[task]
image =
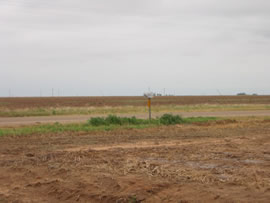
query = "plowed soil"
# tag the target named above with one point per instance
(222, 161)
(41, 102)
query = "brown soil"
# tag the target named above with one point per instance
(224, 162)
(40, 102)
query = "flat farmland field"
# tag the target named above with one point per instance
(53, 106)
(40, 102)
(200, 159)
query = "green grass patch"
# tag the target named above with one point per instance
(166, 119)
(108, 123)
(200, 119)
(60, 128)
(169, 119)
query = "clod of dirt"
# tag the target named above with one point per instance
(29, 155)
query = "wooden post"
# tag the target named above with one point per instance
(149, 96)
(149, 107)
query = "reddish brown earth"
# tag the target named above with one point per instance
(40, 102)
(222, 161)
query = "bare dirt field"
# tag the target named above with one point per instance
(224, 161)
(41, 102)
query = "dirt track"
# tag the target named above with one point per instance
(17, 121)
(224, 162)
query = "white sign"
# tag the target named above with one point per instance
(149, 95)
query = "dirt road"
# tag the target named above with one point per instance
(17, 121)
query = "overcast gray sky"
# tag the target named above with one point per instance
(125, 47)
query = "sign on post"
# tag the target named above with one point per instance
(149, 96)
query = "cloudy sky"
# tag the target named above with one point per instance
(125, 47)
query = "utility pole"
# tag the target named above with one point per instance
(219, 92)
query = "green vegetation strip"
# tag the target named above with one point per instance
(111, 122)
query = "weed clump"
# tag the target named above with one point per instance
(169, 119)
(97, 121)
(115, 120)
